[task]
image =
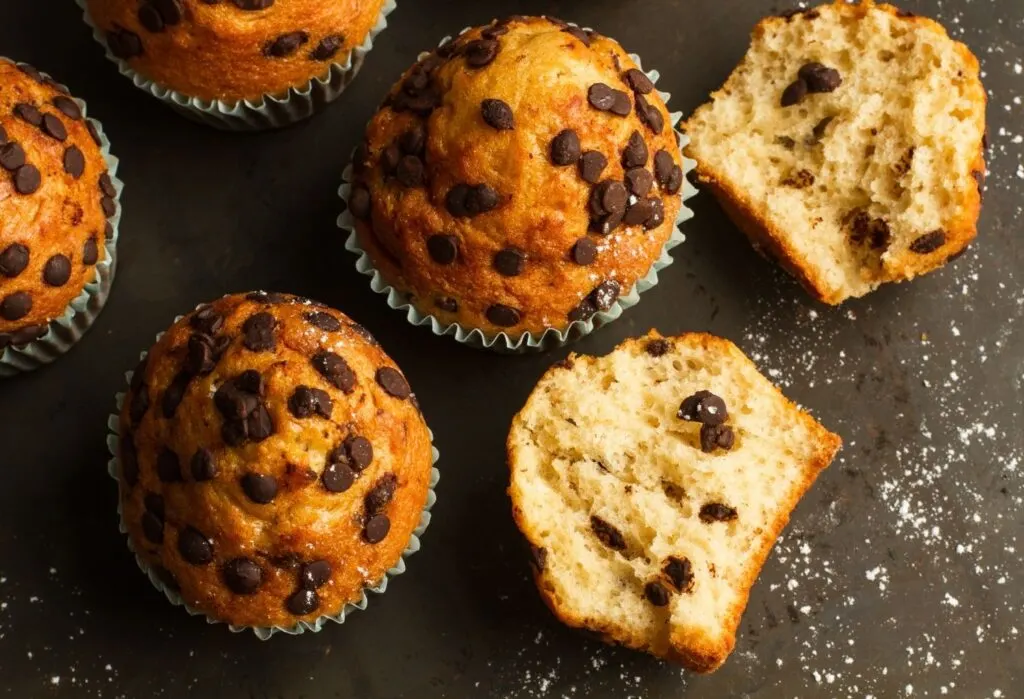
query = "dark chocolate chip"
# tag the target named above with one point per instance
(54, 127)
(664, 164)
(259, 424)
(336, 370)
(604, 99)
(12, 156)
(469, 200)
(607, 534)
(323, 320)
(605, 294)
(717, 512)
(378, 497)
(23, 336)
(414, 141)
(306, 402)
(393, 383)
(175, 393)
(199, 358)
(124, 44)
(410, 171)
(259, 488)
(27, 179)
(285, 45)
(621, 106)
(584, 252)
(258, 332)
(315, 574)
(929, 242)
(799, 179)
(578, 33)
(497, 114)
(108, 206)
(359, 202)
(150, 19)
(638, 81)
(864, 229)
(565, 147)
(716, 436)
(170, 10)
(328, 47)
(592, 164)
(3, 135)
(13, 260)
(153, 527)
(359, 451)
(509, 262)
(639, 212)
(656, 594)
(243, 576)
(447, 304)
(16, 306)
(608, 197)
(635, 153)
(657, 347)
(650, 115)
(31, 72)
(253, 5)
(639, 181)
(74, 161)
(203, 466)
(376, 529)
(679, 573)
(443, 249)
(337, 477)
(503, 316)
(704, 407)
(28, 113)
(108, 231)
(168, 468)
(94, 134)
(106, 185)
(794, 93)
(480, 52)
(819, 78)
(303, 602)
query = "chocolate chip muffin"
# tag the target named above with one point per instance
(273, 461)
(56, 201)
(519, 178)
(235, 50)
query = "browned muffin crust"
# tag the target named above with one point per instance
(518, 178)
(233, 49)
(55, 198)
(273, 460)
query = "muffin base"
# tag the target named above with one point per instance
(267, 112)
(78, 317)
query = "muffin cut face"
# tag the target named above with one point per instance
(233, 49)
(848, 144)
(651, 484)
(520, 177)
(55, 199)
(273, 460)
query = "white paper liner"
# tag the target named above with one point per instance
(552, 337)
(66, 330)
(264, 632)
(267, 112)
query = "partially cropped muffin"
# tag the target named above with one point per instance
(56, 199)
(518, 178)
(273, 461)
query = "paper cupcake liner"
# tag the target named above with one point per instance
(267, 112)
(65, 331)
(552, 337)
(264, 632)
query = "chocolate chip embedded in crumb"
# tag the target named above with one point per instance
(376, 529)
(28, 113)
(382, 492)
(794, 93)
(202, 466)
(124, 44)
(57, 270)
(509, 262)
(650, 115)
(658, 347)
(13, 260)
(480, 52)
(717, 512)
(322, 320)
(592, 164)
(635, 153)
(243, 576)
(27, 179)
(74, 161)
(359, 451)
(639, 212)
(174, 393)
(819, 130)
(315, 574)
(497, 114)
(139, 403)
(328, 47)
(303, 602)
(413, 141)
(285, 45)
(393, 383)
(336, 370)
(194, 546)
(465, 200)
(656, 594)
(259, 424)
(819, 78)
(679, 573)
(607, 534)
(12, 156)
(337, 477)
(53, 127)
(606, 99)
(865, 229)
(150, 18)
(503, 316)
(306, 402)
(258, 332)
(638, 181)
(716, 437)
(259, 488)
(168, 468)
(929, 242)
(565, 147)
(638, 81)
(605, 294)
(153, 527)
(359, 202)
(786, 142)
(799, 179)
(410, 171)
(443, 249)
(584, 252)
(704, 407)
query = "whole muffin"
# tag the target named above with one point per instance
(56, 197)
(519, 178)
(273, 461)
(233, 50)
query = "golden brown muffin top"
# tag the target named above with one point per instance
(55, 198)
(518, 178)
(233, 49)
(273, 460)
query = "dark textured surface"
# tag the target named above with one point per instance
(900, 573)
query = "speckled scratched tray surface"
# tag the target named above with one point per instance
(900, 573)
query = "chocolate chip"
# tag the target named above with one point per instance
(376, 529)
(639, 212)
(608, 197)
(393, 383)
(199, 354)
(704, 407)
(328, 47)
(584, 252)
(57, 270)
(650, 115)
(929, 242)
(12, 156)
(124, 44)
(497, 114)
(306, 402)
(592, 164)
(657, 347)
(389, 159)
(565, 147)
(638, 81)
(129, 461)
(54, 127)
(606, 99)
(31, 72)
(259, 424)
(323, 320)
(605, 294)
(28, 113)
(447, 304)
(866, 229)
(509, 262)
(94, 134)
(3, 136)
(413, 141)
(794, 93)
(578, 33)
(303, 602)
(253, 5)
(108, 206)
(13, 260)
(15, 306)
(714, 437)
(175, 393)
(258, 332)
(27, 179)
(480, 52)
(259, 488)
(717, 512)
(664, 167)
(336, 370)
(23, 336)
(202, 466)
(153, 527)
(359, 451)
(819, 78)
(799, 179)
(315, 574)
(139, 405)
(285, 45)
(106, 185)
(443, 249)
(170, 11)
(168, 468)
(337, 477)
(243, 576)
(465, 200)
(635, 153)
(656, 594)
(108, 231)
(639, 181)
(503, 316)
(359, 202)
(150, 19)
(607, 534)
(679, 573)
(410, 171)
(74, 161)
(378, 497)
